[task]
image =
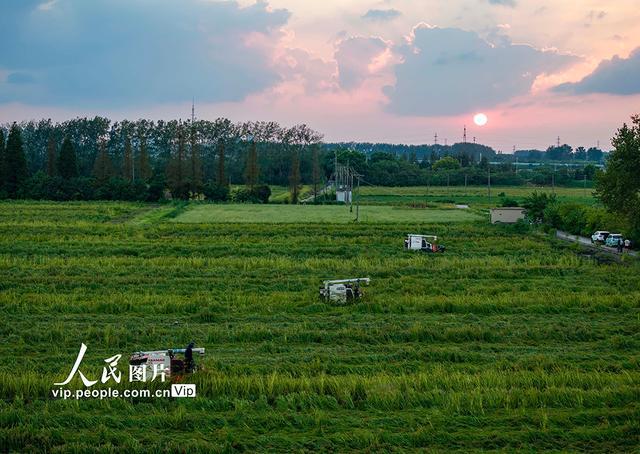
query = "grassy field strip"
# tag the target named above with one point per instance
(335, 214)
(474, 196)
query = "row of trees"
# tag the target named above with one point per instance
(95, 158)
(475, 151)
(146, 160)
(389, 169)
(562, 153)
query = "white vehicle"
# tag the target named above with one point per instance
(600, 236)
(341, 291)
(614, 239)
(424, 243)
(165, 360)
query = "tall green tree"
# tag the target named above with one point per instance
(2, 161)
(315, 171)
(618, 187)
(176, 170)
(128, 171)
(294, 176)
(15, 163)
(251, 171)
(51, 155)
(446, 163)
(195, 168)
(221, 177)
(67, 162)
(103, 167)
(144, 163)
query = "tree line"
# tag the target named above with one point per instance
(466, 164)
(96, 158)
(561, 154)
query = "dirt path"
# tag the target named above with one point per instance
(587, 242)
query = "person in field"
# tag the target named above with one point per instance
(188, 357)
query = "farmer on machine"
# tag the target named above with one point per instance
(188, 357)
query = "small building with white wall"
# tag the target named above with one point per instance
(507, 215)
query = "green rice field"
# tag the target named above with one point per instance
(474, 196)
(506, 342)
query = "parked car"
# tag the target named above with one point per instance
(613, 239)
(600, 236)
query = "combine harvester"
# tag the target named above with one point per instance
(424, 243)
(167, 360)
(343, 291)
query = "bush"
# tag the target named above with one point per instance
(510, 202)
(216, 192)
(43, 187)
(262, 193)
(258, 194)
(536, 205)
(583, 220)
(121, 189)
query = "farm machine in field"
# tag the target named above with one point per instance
(167, 361)
(424, 243)
(343, 291)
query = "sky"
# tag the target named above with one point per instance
(393, 71)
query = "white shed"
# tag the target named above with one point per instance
(507, 215)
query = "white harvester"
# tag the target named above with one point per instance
(424, 243)
(166, 360)
(342, 291)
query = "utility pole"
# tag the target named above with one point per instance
(435, 139)
(489, 181)
(335, 171)
(358, 201)
(558, 141)
(350, 189)
(464, 135)
(474, 139)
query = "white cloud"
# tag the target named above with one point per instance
(447, 71)
(618, 76)
(358, 58)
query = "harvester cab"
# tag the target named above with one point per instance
(424, 243)
(343, 291)
(167, 360)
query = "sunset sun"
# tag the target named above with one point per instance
(480, 119)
